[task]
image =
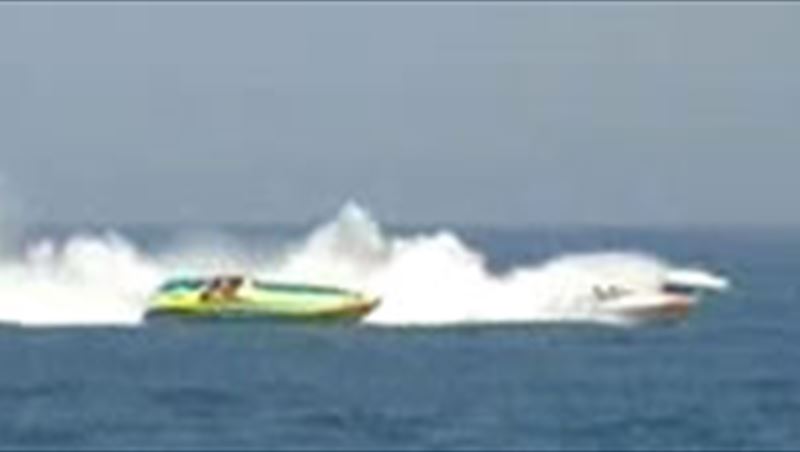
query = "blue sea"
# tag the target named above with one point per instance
(726, 378)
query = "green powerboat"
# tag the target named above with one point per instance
(237, 296)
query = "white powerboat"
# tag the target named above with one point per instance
(675, 299)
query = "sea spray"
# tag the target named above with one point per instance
(436, 279)
(346, 251)
(84, 281)
(422, 279)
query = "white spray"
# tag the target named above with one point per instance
(423, 280)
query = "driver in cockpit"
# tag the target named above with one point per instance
(222, 289)
(609, 293)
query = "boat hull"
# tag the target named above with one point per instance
(267, 301)
(653, 308)
(351, 312)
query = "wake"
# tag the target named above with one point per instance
(426, 279)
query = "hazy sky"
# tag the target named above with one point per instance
(623, 113)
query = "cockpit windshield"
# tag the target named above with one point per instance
(680, 289)
(182, 284)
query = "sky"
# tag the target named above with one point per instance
(479, 113)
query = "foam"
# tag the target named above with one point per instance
(423, 279)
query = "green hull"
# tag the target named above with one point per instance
(259, 300)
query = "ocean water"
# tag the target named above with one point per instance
(98, 378)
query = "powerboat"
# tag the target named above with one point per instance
(239, 296)
(680, 292)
